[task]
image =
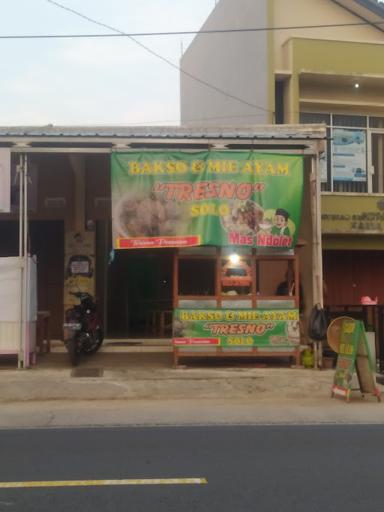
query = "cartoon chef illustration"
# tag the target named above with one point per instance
(280, 223)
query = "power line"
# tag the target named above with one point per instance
(161, 57)
(182, 32)
(160, 122)
(190, 120)
(185, 32)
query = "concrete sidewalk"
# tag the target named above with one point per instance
(142, 388)
(150, 375)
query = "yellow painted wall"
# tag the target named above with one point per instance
(352, 221)
(337, 57)
(352, 214)
(324, 71)
(315, 12)
(352, 243)
(341, 90)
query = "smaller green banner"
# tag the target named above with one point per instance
(345, 366)
(274, 329)
(353, 355)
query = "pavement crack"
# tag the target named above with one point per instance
(49, 422)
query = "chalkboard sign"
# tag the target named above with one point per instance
(354, 355)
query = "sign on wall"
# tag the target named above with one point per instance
(363, 214)
(273, 329)
(221, 198)
(349, 162)
(79, 271)
(5, 180)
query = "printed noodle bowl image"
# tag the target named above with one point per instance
(139, 215)
(245, 217)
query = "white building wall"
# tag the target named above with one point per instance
(234, 62)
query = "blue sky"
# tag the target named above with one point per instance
(93, 81)
(89, 81)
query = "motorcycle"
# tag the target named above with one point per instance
(83, 333)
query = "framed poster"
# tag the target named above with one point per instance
(79, 272)
(349, 155)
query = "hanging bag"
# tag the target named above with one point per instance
(318, 323)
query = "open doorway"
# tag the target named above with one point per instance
(46, 242)
(140, 296)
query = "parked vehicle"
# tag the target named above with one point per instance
(83, 333)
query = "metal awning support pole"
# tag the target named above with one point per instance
(317, 274)
(23, 355)
(20, 170)
(26, 267)
(317, 246)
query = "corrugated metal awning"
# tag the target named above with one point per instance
(110, 138)
(169, 132)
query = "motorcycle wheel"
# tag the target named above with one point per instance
(74, 355)
(97, 341)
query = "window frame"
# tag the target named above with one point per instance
(369, 129)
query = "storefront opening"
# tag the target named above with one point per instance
(140, 287)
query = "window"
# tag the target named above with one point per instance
(238, 277)
(352, 121)
(344, 166)
(310, 118)
(197, 277)
(376, 122)
(279, 102)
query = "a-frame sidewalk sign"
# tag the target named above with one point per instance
(354, 355)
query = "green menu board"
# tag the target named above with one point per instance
(353, 355)
(272, 329)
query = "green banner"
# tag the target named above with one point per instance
(220, 198)
(273, 329)
(345, 366)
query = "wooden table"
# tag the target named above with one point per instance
(158, 320)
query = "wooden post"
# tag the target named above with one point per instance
(254, 279)
(317, 275)
(297, 281)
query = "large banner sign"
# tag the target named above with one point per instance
(221, 198)
(273, 329)
(5, 180)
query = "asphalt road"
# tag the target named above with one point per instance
(258, 468)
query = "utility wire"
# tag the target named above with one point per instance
(187, 32)
(161, 57)
(161, 122)
(190, 120)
